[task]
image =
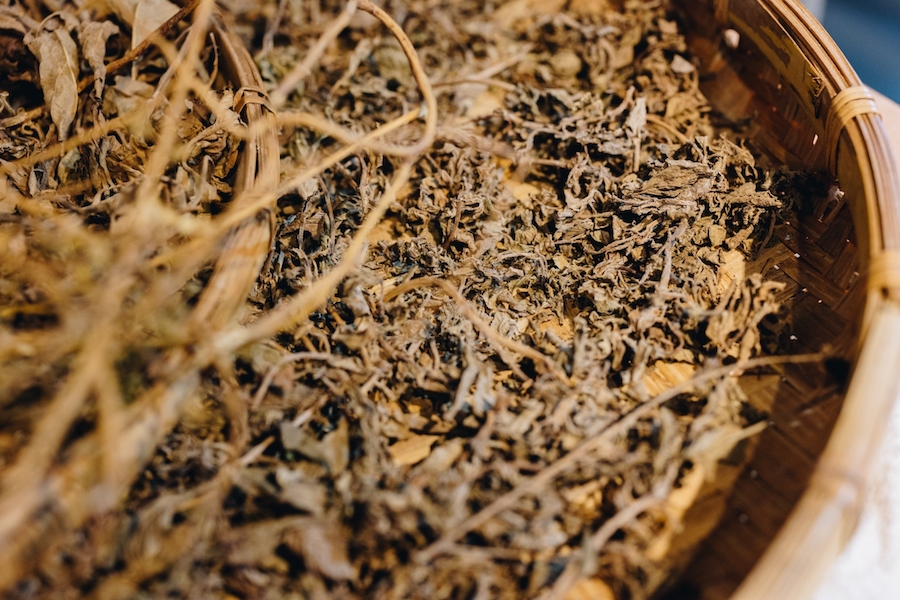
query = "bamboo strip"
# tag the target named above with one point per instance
(828, 513)
(247, 246)
(813, 112)
(846, 105)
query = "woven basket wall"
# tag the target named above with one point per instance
(796, 504)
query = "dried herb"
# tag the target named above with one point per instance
(517, 391)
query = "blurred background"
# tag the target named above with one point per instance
(868, 31)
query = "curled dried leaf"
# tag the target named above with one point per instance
(57, 56)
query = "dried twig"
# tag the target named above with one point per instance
(470, 313)
(303, 68)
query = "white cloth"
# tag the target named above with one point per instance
(869, 567)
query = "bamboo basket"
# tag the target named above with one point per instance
(794, 507)
(772, 522)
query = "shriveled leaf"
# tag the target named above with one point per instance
(11, 18)
(590, 589)
(94, 36)
(148, 16)
(637, 118)
(57, 54)
(323, 545)
(517, 10)
(715, 444)
(144, 16)
(298, 490)
(413, 449)
(332, 450)
(253, 544)
(126, 95)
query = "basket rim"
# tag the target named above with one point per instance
(826, 515)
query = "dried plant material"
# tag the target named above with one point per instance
(413, 449)
(57, 55)
(465, 317)
(664, 375)
(148, 16)
(590, 589)
(322, 548)
(94, 36)
(143, 16)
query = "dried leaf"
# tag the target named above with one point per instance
(298, 491)
(715, 444)
(126, 95)
(681, 65)
(590, 589)
(11, 19)
(254, 544)
(144, 16)
(333, 450)
(94, 36)
(148, 16)
(58, 57)
(517, 10)
(413, 449)
(323, 546)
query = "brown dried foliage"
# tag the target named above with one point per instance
(308, 348)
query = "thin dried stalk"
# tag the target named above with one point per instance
(573, 571)
(298, 308)
(470, 313)
(303, 68)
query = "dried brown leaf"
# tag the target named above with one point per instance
(590, 589)
(57, 54)
(413, 449)
(93, 36)
(323, 545)
(143, 16)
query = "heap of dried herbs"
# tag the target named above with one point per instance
(516, 392)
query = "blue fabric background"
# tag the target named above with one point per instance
(868, 32)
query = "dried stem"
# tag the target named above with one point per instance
(298, 308)
(431, 109)
(471, 313)
(598, 540)
(302, 69)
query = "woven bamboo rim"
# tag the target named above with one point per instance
(850, 142)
